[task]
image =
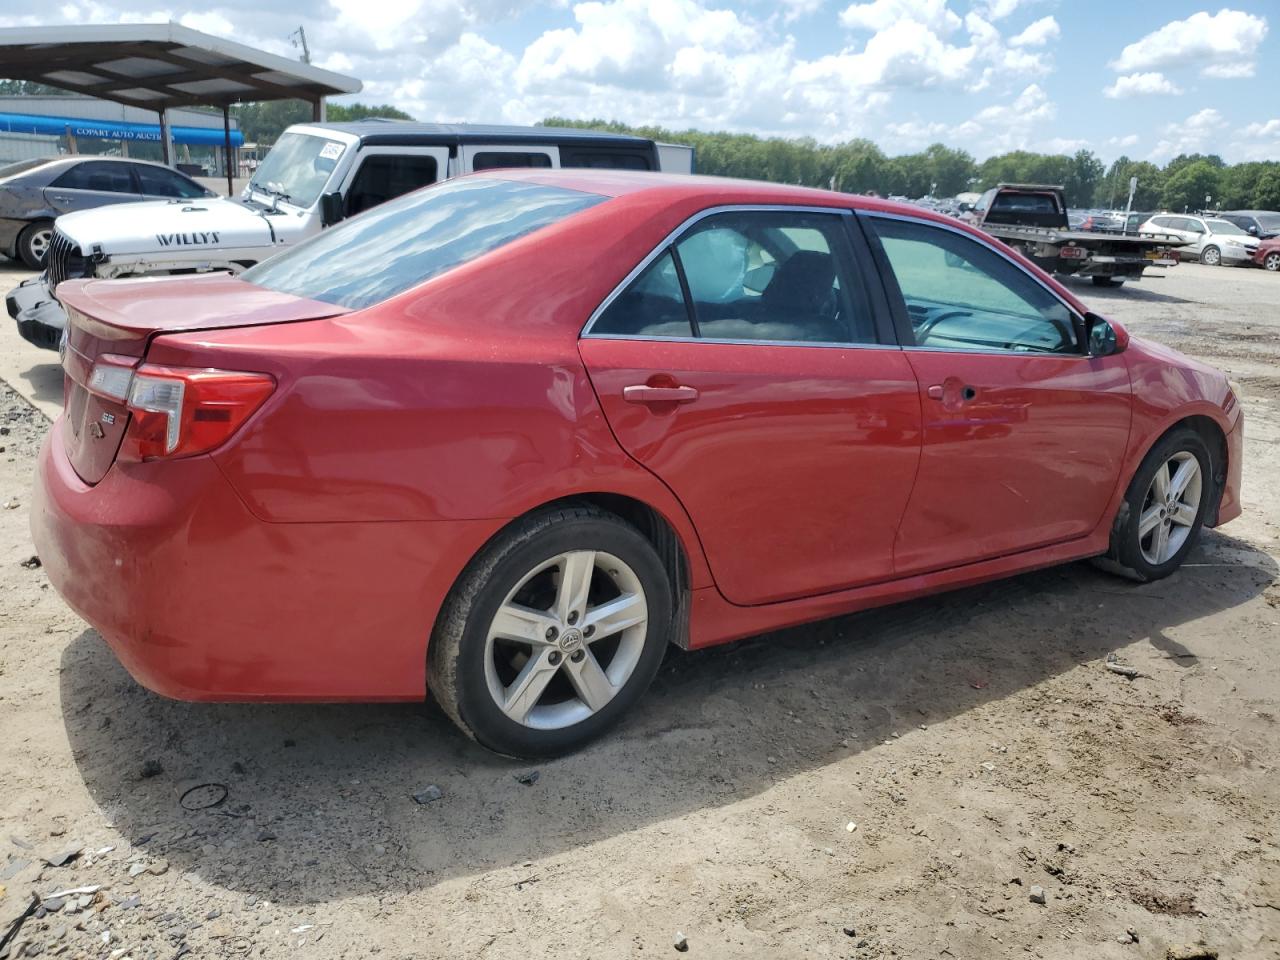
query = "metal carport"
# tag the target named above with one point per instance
(161, 65)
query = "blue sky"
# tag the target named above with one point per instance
(1145, 79)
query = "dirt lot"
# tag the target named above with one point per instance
(975, 740)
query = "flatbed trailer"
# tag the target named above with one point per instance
(1032, 218)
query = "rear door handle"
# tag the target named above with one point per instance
(643, 393)
(966, 392)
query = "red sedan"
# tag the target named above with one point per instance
(506, 438)
(1267, 255)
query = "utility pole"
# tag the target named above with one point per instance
(301, 34)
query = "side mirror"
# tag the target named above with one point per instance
(1104, 338)
(331, 209)
(1253, 230)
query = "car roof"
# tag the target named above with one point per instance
(620, 183)
(393, 131)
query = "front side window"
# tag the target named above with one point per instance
(960, 294)
(297, 168)
(415, 237)
(103, 176)
(751, 275)
(384, 176)
(500, 160)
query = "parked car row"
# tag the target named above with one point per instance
(34, 193)
(1211, 240)
(315, 176)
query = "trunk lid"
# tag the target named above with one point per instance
(112, 321)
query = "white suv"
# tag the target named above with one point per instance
(1210, 240)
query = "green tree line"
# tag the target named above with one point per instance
(858, 166)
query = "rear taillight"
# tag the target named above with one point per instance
(178, 411)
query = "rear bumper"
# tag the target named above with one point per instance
(39, 316)
(200, 600)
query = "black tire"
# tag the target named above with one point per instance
(1125, 556)
(1271, 261)
(1211, 256)
(1106, 282)
(33, 242)
(456, 658)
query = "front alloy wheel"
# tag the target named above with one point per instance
(1170, 508)
(1272, 261)
(1163, 509)
(552, 632)
(1211, 256)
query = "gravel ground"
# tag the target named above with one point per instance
(903, 783)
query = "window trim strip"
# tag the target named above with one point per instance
(669, 241)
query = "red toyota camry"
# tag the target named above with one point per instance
(506, 438)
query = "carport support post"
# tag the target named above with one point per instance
(226, 145)
(166, 139)
(317, 110)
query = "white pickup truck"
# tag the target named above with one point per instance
(314, 176)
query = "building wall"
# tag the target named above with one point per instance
(19, 146)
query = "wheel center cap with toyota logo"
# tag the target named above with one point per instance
(571, 640)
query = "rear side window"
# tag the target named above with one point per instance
(604, 159)
(158, 182)
(497, 160)
(414, 238)
(100, 175)
(771, 276)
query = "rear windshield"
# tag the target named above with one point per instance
(22, 166)
(1024, 203)
(415, 237)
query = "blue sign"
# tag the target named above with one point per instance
(112, 130)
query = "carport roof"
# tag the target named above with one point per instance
(160, 65)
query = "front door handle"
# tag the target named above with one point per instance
(643, 393)
(936, 392)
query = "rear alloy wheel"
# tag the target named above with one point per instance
(552, 633)
(1211, 256)
(33, 243)
(1164, 509)
(1271, 261)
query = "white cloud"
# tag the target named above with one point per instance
(990, 49)
(1009, 126)
(1257, 141)
(1222, 41)
(999, 9)
(1269, 129)
(883, 14)
(1128, 140)
(1037, 34)
(1199, 133)
(1229, 71)
(1139, 85)
(1064, 144)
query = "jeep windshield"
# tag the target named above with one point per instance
(297, 168)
